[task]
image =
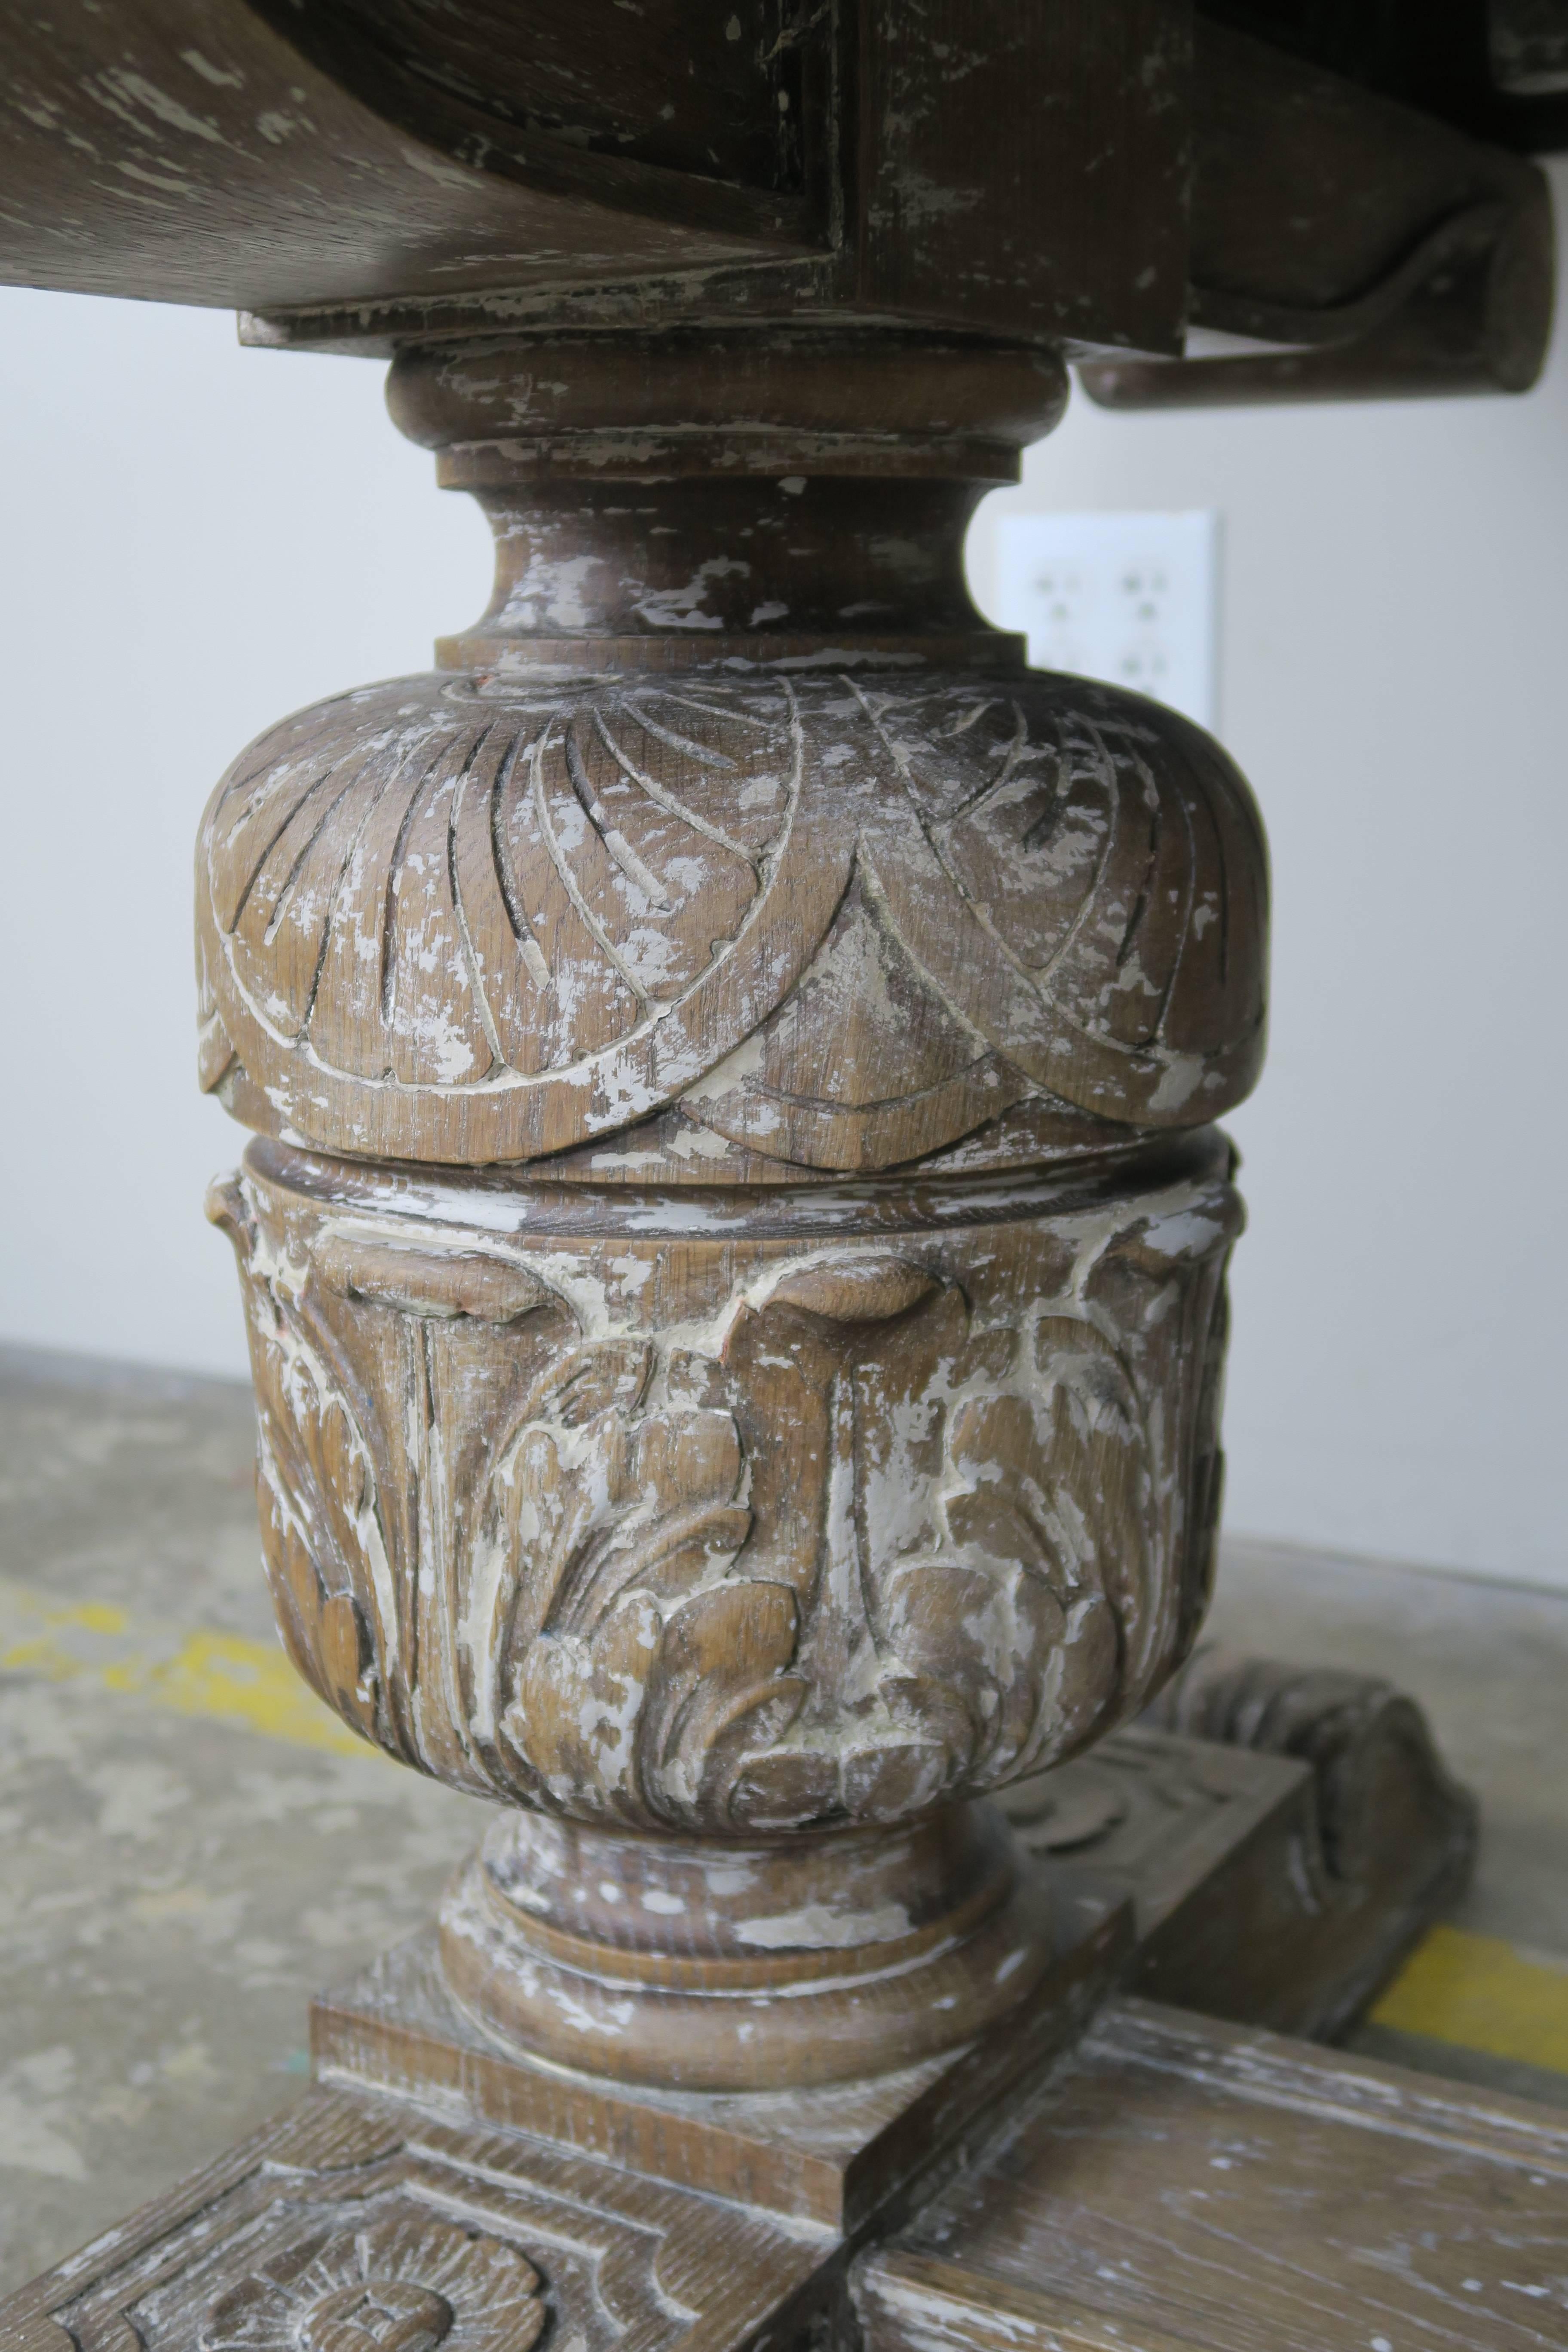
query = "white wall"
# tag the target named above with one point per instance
(197, 539)
(1394, 679)
(194, 541)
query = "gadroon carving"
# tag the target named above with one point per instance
(739, 1529)
(843, 922)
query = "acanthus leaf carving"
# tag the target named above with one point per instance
(853, 1528)
(325, 1539)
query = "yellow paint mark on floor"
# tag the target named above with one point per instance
(1472, 1990)
(1482, 1994)
(220, 1677)
(230, 1680)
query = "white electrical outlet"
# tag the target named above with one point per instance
(1130, 598)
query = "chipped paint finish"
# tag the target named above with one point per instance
(943, 78)
(846, 1448)
(1182, 2183)
(835, 923)
(350, 2223)
(210, 152)
(354, 170)
(778, 1510)
(683, 1964)
(741, 1530)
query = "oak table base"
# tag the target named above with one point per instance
(1177, 2185)
(433, 2188)
(1197, 1869)
(734, 1235)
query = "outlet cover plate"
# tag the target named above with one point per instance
(1130, 598)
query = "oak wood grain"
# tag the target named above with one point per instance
(1181, 2182)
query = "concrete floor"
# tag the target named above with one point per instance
(189, 1845)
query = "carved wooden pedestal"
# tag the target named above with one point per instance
(735, 1272)
(437, 2187)
(735, 1234)
(734, 1257)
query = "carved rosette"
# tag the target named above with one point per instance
(406, 2282)
(682, 1513)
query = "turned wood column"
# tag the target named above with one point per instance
(734, 1233)
(734, 1244)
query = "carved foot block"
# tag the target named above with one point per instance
(359, 2225)
(437, 2181)
(1271, 1871)
(1318, 1908)
(833, 2154)
(1177, 2186)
